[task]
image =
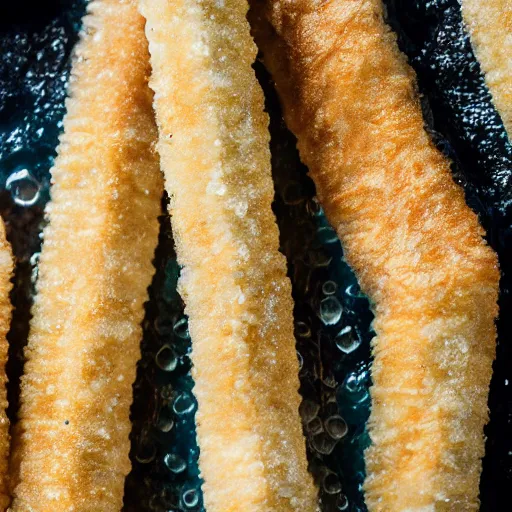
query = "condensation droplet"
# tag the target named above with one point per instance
(183, 404)
(336, 427)
(175, 463)
(300, 359)
(330, 310)
(166, 359)
(24, 188)
(329, 288)
(293, 194)
(347, 340)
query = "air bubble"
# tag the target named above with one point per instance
(308, 410)
(166, 359)
(323, 443)
(347, 341)
(181, 328)
(330, 310)
(331, 483)
(342, 502)
(315, 426)
(165, 420)
(24, 188)
(336, 427)
(184, 404)
(302, 330)
(146, 452)
(329, 288)
(190, 498)
(327, 235)
(175, 463)
(292, 194)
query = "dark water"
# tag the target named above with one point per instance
(332, 317)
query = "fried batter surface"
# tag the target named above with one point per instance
(350, 98)
(94, 271)
(214, 152)
(490, 28)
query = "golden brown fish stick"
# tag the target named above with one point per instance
(214, 151)
(94, 271)
(6, 268)
(350, 98)
(489, 24)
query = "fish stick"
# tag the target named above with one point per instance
(489, 25)
(214, 149)
(95, 267)
(350, 98)
(6, 269)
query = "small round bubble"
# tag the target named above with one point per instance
(24, 188)
(330, 310)
(175, 463)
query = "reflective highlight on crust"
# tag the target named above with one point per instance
(350, 98)
(490, 28)
(214, 152)
(94, 271)
(6, 270)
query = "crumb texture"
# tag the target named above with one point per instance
(490, 28)
(71, 445)
(6, 270)
(350, 98)
(214, 148)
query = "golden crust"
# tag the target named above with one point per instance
(214, 152)
(489, 24)
(6, 269)
(94, 271)
(350, 98)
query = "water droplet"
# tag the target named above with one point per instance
(24, 188)
(329, 288)
(330, 310)
(165, 420)
(181, 328)
(166, 359)
(323, 443)
(331, 483)
(336, 427)
(354, 291)
(190, 498)
(184, 404)
(308, 410)
(302, 330)
(175, 463)
(319, 258)
(314, 208)
(347, 340)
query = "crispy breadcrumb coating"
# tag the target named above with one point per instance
(489, 24)
(6, 269)
(214, 148)
(94, 271)
(350, 98)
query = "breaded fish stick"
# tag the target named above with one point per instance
(350, 98)
(6, 269)
(215, 156)
(490, 28)
(94, 271)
